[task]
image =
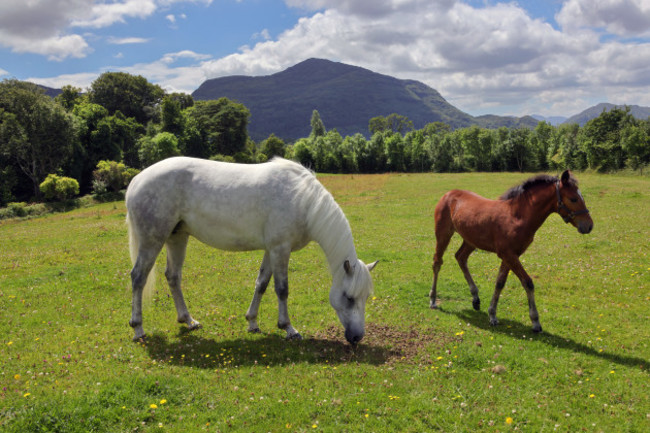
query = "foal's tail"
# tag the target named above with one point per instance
(134, 245)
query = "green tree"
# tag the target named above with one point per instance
(222, 126)
(393, 122)
(636, 145)
(172, 116)
(601, 139)
(153, 149)
(317, 125)
(69, 97)
(272, 146)
(133, 95)
(36, 133)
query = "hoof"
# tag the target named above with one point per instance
(140, 338)
(477, 304)
(434, 305)
(194, 325)
(295, 336)
(494, 322)
(255, 331)
(537, 329)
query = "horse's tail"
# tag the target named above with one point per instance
(134, 245)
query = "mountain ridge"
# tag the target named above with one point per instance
(345, 96)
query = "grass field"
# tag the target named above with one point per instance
(67, 363)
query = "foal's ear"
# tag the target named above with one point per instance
(347, 267)
(371, 266)
(565, 176)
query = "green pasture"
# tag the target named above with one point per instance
(67, 363)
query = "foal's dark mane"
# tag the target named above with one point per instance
(527, 185)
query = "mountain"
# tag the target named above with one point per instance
(641, 113)
(553, 120)
(346, 98)
(52, 93)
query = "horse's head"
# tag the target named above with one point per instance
(350, 290)
(571, 205)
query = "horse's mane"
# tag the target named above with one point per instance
(527, 185)
(327, 225)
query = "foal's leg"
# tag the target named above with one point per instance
(261, 283)
(461, 257)
(176, 247)
(279, 258)
(444, 232)
(501, 282)
(143, 265)
(516, 266)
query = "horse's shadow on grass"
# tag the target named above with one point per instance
(507, 327)
(197, 351)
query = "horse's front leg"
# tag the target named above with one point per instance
(261, 283)
(527, 282)
(501, 282)
(280, 265)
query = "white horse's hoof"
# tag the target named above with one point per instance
(295, 336)
(255, 331)
(194, 325)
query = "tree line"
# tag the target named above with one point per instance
(123, 123)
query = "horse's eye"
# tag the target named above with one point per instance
(574, 200)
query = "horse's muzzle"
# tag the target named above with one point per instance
(353, 337)
(585, 227)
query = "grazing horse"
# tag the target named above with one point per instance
(506, 227)
(278, 207)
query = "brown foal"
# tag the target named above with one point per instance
(506, 227)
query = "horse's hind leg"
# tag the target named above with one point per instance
(444, 232)
(261, 283)
(501, 282)
(461, 257)
(143, 265)
(176, 247)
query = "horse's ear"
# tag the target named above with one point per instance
(371, 266)
(565, 176)
(347, 267)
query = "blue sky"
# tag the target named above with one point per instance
(553, 57)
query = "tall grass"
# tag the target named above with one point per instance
(67, 362)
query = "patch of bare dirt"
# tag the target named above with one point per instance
(385, 344)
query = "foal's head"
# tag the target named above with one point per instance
(571, 204)
(348, 296)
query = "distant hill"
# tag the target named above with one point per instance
(52, 93)
(346, 98)
(641, 113)
(553, 120)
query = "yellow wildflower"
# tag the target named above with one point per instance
(508, 420)
(153, 406)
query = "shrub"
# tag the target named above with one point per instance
(56, 187)
(111, 176)
(18, 209)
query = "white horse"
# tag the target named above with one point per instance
(278, 207)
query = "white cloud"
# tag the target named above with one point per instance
(103, 14)
(81, 80)
(45, 27)
(493, 58)
(618, 17)
(171, 18)
(128, 41)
